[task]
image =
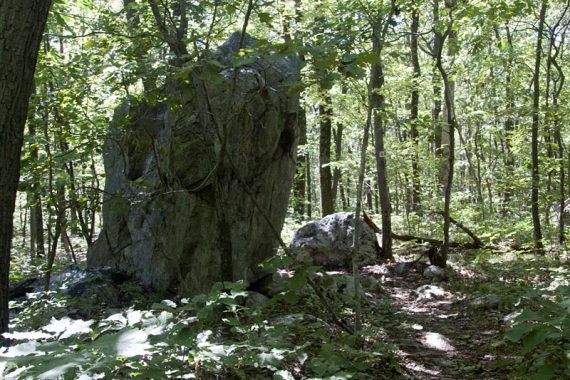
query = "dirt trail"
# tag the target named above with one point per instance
(440, 332)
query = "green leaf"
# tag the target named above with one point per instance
(546, 371)
(265, 18)
(518, 331)
(534, 338)
(528, 315)
(298, 280)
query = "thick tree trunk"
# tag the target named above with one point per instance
(535, 175)
(21, 26)
(325, 172)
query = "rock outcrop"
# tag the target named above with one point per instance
(328, 242)
(186, 178)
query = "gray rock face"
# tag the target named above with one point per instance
(177, 213)
(328, 242)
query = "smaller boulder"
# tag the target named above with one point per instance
(401, 269)
(328, 242)
(255, 299)
(435, 273)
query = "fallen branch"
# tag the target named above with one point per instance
(421, 240)
(477, 243)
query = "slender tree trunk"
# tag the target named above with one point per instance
(558, 85)
(358, 211)
(436, 89)
(509, 124)
(325, 172)
(300, 180)
(337, 135)
(377, 102)
(440, 258)
(21, 27)
(309, 188)
(548, 133)
(173, 27)
(535, 175)
(36, 214)
(58, 200)
(414, 111)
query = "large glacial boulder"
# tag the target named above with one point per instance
(328, 242)
(186, 178)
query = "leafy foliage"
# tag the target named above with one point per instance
(543, 329)
(217, 333)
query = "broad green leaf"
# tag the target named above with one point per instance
(534, 338)
(518, 331)
(546, 371)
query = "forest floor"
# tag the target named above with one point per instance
(455, 329)
(413, 327)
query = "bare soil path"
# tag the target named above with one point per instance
(441, 330)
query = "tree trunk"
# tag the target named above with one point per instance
(436, 89)
(509, 124)
(377, 103)
(358, 211)
(414, 106)
(34, 198)
(440, 257)
(337, 135)
(325, 172)
(300, 180)
(537, 232)
(21, 27)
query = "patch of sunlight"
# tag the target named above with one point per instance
(16, 374)
(21, 349)
(27, 335)
(118, 319)
(376, 269)
(133, 343)
(283, 375)
(418, 367)
(413, 326)
(67, 327)
(96, 376)
(57, 372)
(437, 341)
(134, 316)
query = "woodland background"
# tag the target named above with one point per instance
(417, 112)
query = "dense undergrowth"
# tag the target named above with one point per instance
(232, 333)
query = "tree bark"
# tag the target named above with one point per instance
(300, 180)
(436, 87)
(337, 136)
(325, 172)
(377, 102)
(34, 198)
(535, 175)
(21, 27)
(414, 111)
(440, 257)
